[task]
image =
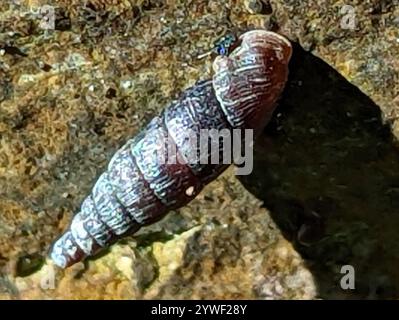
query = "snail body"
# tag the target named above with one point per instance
(138, 188)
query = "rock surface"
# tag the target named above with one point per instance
(324, 190)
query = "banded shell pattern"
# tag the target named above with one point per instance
(137, 188)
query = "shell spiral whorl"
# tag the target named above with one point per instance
(248, 81)
(137, 189)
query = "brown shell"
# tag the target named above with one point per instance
(137, 189)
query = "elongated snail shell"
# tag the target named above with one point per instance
(137, 189)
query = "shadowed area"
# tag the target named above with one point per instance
(328, 170)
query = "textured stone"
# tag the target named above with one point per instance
(326, 168)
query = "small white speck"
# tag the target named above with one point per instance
(2, 52)
(312, 130)
(209, 227)
(190, 191)
(41, 214)
(126, 84)
(91, 87)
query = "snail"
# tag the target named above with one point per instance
(137, 188)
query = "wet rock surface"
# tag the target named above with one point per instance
(324, 189)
